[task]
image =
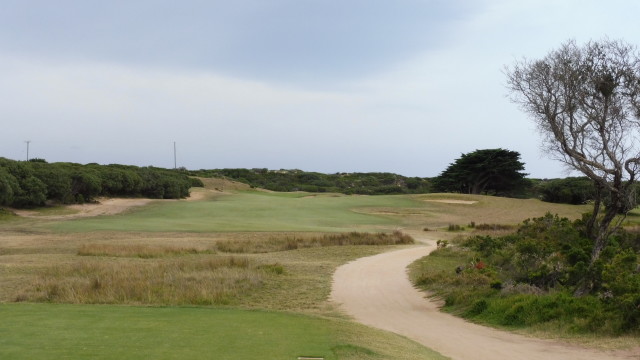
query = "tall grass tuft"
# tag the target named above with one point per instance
(207, 281)
(139, 251)
(285, 243)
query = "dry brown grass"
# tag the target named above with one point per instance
(293, 242)
(135, 268)
(185, 281)
(484, 209)
(220, 184)
(140, 250)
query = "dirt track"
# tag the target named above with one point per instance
(376, 292)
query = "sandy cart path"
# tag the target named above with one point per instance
(376, 291)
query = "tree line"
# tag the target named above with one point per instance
(488, 171)
(496, 172)
(35, 183)
(346, 183)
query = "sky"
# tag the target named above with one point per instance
(402, 86)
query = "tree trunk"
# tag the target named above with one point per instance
(597, 203)
(600, 240)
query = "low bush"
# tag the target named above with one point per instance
(493, 227)
(527, 278)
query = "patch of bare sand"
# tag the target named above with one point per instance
(220, 184)
(376, 291)
(113, 206)
(452, 201)
(104, 206)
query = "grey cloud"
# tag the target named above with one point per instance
(284, 40)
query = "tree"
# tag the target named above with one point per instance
(8, 187)
(489, 171)
(586, 103)
(571, 190)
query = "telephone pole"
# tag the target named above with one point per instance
(28, 141)
(175, 162)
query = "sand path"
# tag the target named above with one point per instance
(376, 292)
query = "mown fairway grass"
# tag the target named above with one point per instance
(263, 211)
(251, 211)
(46, 331)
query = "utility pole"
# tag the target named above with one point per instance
(175, 162)
(28, 141)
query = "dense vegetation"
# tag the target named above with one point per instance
(571, 190)
(529, 278)
(346, 183)
(488, 171)
(34, 183)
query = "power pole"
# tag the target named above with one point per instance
(28, 141)
(175, 162)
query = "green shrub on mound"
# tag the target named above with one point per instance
(528, 279)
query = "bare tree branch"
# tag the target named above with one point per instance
(586, 103)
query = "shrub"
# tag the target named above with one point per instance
(492, 227)
(572, 190)
(528, 277)
(195, 182)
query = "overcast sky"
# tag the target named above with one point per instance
(403, 86)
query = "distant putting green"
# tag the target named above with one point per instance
(252, 211)
(46, 331)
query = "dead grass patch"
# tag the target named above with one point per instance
(486, 209)
(293, 242)
(185, 281)
(140, 251)
(221, 184)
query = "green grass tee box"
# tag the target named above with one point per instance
(46, 331)
(250, 211)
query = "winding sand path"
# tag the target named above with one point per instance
(376, 292)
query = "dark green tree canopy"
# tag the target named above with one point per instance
(488, 171)
(35, 182)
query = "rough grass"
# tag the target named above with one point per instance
(138, 250)
(284, 243)
(51, 211)
(6, 214)
(186, 281)
(298, 279)
(490, 210)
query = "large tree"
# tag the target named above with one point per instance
(488, 171)
(586, 103)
